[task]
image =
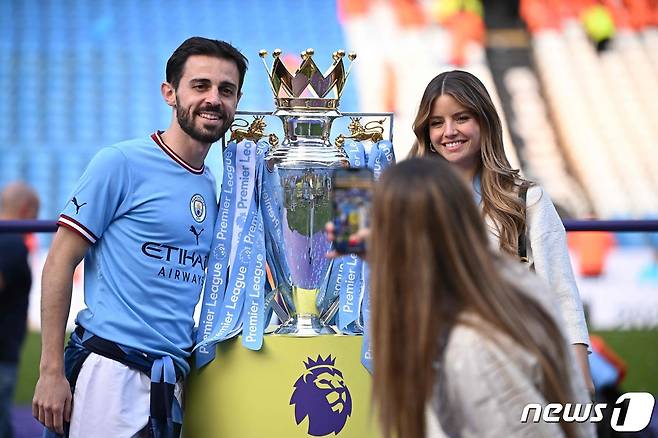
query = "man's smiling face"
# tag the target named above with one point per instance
(207, 97)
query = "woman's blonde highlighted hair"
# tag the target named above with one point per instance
(499, 182)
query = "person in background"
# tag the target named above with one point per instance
(457, 120)
(463, 337)
(17, 202)
(137, 217)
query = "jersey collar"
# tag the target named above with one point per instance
(157, 138)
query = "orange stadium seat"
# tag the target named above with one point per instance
(348, 9)
(592, 248)
(409, 13)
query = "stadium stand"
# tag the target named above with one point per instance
(602, 102)
(78, 75)
(541, 154)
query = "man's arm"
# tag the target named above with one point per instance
(51, 404)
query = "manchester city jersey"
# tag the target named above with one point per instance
(149, 218)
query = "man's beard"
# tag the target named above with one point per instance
(185, 119)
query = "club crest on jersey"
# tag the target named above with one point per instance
(198, 208)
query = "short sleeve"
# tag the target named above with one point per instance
(101, 190)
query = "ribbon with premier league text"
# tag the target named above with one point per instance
(381, 156)
(347, 279)
(366, 350)
(350, 287)
(234, 292)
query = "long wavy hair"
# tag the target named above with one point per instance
(430, 262)
(499, 182)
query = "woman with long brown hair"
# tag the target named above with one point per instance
(454, 325)
(457, 120)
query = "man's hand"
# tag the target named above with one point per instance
(51, 404)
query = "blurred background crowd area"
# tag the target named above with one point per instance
(575, 80)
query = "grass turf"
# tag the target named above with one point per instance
(638, 348)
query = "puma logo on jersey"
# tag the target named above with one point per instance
(196, 234)
(77, 206)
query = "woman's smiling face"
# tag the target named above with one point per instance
(455, 133)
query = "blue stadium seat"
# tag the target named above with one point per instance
(90, 72)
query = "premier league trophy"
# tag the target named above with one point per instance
(269, 251)
(301, 168)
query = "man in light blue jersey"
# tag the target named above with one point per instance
(142, 217)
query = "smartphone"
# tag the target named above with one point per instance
(351, 197)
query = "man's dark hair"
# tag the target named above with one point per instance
(203, 46)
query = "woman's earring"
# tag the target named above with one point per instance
(432, 148)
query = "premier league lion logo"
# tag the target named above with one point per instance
(320, 393)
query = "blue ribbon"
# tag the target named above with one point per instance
(356, 154)
(237, 262)
(254, 305)
(366, 349)
(347, 273)
(215, 286)
(254, 309)
(347, 277)
(381, 156)
(350, 293)
(245, 218)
